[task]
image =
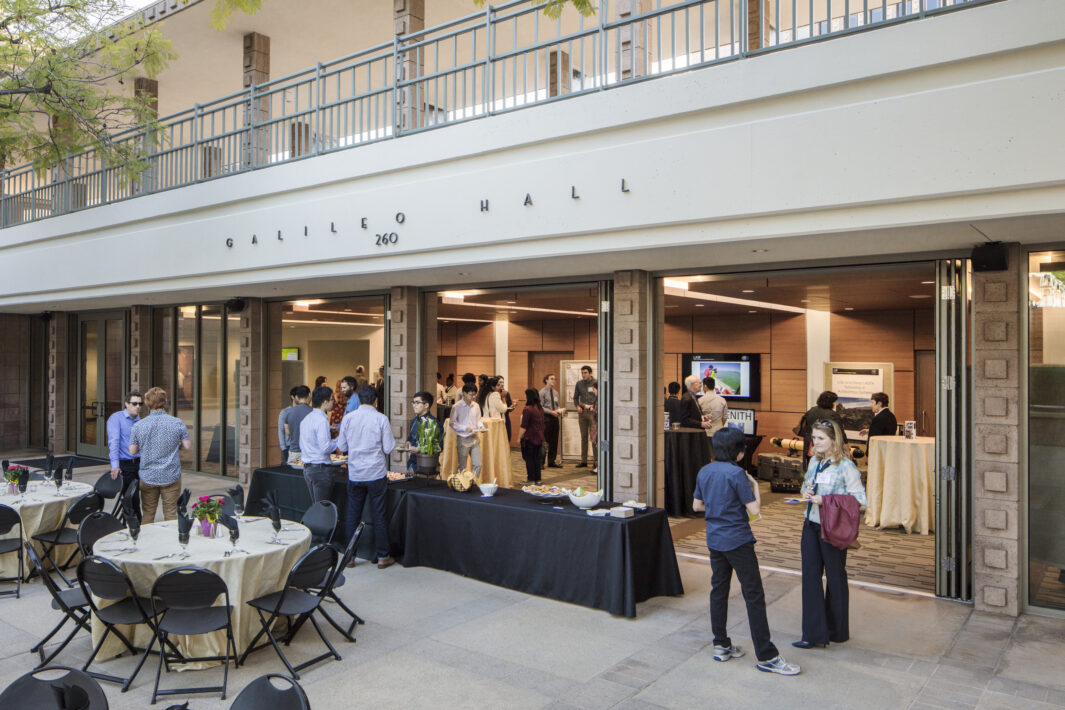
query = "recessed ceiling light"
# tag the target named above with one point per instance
(348, 309)
(804, 300)
(699, 305)
(920, 295)
(752, 311)
(512, 302)
(464, 273)
(927, 283)
(848, 308)
(748, 290)
(589, 309)
(759, 251)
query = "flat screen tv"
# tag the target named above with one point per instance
(738, 375)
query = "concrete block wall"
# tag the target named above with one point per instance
(14, 381)
(140, 349)
(58, 382)
(401, 375)
(632, 295)
(250, 415)
(997, 310)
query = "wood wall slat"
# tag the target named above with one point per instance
(789, 341)
(874, 336)
(525, 335)
(789, 391)
(748, 333)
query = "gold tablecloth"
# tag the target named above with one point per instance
(248, 577)
(41, 510)
(901, 483)
(495, 453)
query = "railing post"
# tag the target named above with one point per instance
(604, 9)
(3, 197)
(317, 108)
(396, 73)
(197, 149)
(489, 64)
(67, 199)
(744, 9)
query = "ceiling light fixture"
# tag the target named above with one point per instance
(920, 295)
(927, 283)
(748, 290)
(759, 251)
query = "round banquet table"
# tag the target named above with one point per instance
(901, 483)
(41, 510)
(262, 570)
(495, 453)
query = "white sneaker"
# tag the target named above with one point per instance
(778, 665)
(723, 653)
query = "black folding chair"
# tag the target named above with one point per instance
(9, 518)
(317, 564)
(94, 527)
(336, 580)
(104, 580)
(72, 689)
(261, 693)
(64, 535)
(109, 489)
(183, 603)
(71, 602)
(321, 520)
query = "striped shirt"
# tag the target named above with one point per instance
(159, 437)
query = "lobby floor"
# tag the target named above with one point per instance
(437, 640)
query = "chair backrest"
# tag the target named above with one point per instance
(262, 693)
(132, 488)
(189, 588)
(83, 507)
(315, 565)
(9, 518)
(35, 689)
(46, 576)
(349, 552)
(104, 579)
(321, 519)
(106, 486)
(94, 527)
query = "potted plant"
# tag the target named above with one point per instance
(428, 456)
(11, 475)
(207, 510)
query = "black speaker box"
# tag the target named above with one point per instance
(993, 256)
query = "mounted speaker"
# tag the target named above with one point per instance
(45, 316)
(235, 305)
(993, 256)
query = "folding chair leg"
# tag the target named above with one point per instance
(338, 627)
(356, 618)
(273, 642)
(79, 623)
(140, 664)
(322, 636)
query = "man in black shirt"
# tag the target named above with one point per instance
(884, 422)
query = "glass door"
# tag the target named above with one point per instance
(102, 376)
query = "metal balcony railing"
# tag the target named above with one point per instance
(504, 58)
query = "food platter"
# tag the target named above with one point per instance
(541, 491)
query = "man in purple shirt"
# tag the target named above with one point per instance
(119, 426)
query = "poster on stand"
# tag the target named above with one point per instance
(570, 448)
(855, 383)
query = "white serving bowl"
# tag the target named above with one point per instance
(588, 500)
(488, 489)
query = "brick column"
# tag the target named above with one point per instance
(632, 295)
(14, 381)
(255, 143)
(632, 38)
(58, 383)
(401, 377)
(409, 16)
(996, 419)
(757, 24)
(140, 348)
(249, 421)
(558, 72)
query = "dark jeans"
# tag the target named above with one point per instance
(825, 615)
(586, 423)
(532, 454)
(131, 472)
(745, 562)
(377, 491)
(551, 438)
(319, 478)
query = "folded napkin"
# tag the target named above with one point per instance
(237, 494)
(70, 469)
(49, 463)
(5, 463)
(231, 524)
(24, 480)
(129, 513)
(271, 507)
(183, 502)
(184, 524)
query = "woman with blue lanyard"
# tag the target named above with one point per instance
(825, 615)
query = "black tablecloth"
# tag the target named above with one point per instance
(520, 542)
(686, 453)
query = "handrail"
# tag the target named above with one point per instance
(496, 60)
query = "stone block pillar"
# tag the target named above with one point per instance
(757, 23)
(401, 375)
(146, 91)
(632, 332)
(632, 39)
(59, 346)
(250, 406)
(140, 348)
(997, 309)
(558, 72)
(255, 142)
(14, 381)
(408, 17)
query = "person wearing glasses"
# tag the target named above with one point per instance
(119, 426)
(825, 614)
(420, 404)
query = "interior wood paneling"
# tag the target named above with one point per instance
(789, 391)
(446, 365)
(516, 383)
(671, 368)
(476, 339)
(924, 330)
(902, 404)
(789, 342)
(873, 336)
(446, 339)
(748, 333)
(477, 364)
(772, 424)
(557, 335)
(525, 336)
(677, 335)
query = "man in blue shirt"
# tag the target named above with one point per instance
(727, 495)
(366, 436)
(316, 445)
(348, 385)
(123, 462)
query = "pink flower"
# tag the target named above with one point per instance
(205, 498)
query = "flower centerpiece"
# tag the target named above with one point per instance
(207, 510)
(11, 475)
(428, 446)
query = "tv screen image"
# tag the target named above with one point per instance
(736, 375)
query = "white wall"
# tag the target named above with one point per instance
(921, 128)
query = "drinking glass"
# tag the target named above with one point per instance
(58, 483)
(22, 485)
(134, 533)
(277, 530)
(183, 541)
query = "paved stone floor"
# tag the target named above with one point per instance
(434, 639)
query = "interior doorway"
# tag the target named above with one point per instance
(102, 377)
